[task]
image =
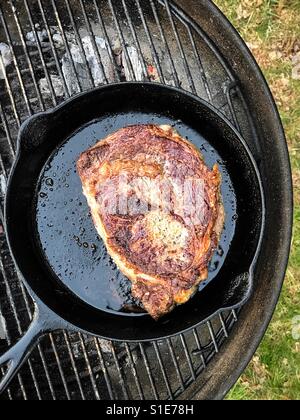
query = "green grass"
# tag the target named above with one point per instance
(272, 30)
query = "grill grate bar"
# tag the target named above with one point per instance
(88, 25)
(90, 370)
(116, 361)
(27, 55)
(9, 90)
(192, 24)
(67, 340)
(179, 43)
(58, 67)
(163, 371)
(9, 294)
(71, 355)
(49, 81)
(234, 314)
(229, 101)
(61, 372)
(151, 43)
(37, 68)
(18, 323)
(6, 129)
(223, 326)
(213, 337)
(104, 370)
(198, 342)
(16, 66)
(19, 378)
(9, 107)
(150, 376)
(41, 353)
(79, 41)
(29, 312)
(137, 43)
(62, 32)
(136, 378)
(3, 170)
(2, 371)
(123, 43)
(178, 372)
(20, 330)
(200, 65)
(107, 40)
(187, 355)
(254, 136)
(164, 40)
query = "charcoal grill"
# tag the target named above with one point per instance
(191, 45)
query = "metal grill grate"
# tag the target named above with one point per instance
(114, 41)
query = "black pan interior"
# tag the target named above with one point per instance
(52, 235)
(64, 220)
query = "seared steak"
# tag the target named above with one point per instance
(158, 208)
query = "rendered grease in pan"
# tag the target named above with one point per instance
(68, 237)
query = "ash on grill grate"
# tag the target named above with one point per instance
(82, 66)
(51, 50)
(5, 58)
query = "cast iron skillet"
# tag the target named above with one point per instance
(62, 262)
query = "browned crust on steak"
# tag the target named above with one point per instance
(165, 253)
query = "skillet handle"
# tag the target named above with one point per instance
(17, 355)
